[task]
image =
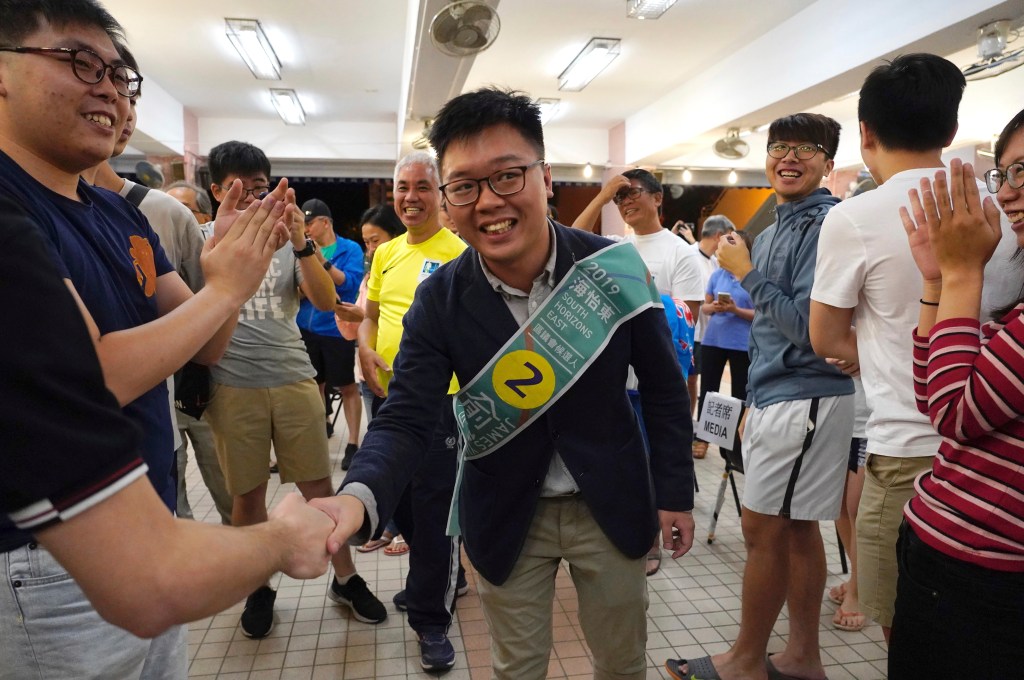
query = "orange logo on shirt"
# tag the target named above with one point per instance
(145, 264)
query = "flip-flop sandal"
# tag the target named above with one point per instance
(697, 669)
(397, 547)
(653, 564)
(837, 593)
(375, 544)
(839, 620)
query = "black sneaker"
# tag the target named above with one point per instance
(401, 604)
(357, 597)
(258, 615)
(350, 451)
(436, 652)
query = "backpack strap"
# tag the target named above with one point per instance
(136, 194)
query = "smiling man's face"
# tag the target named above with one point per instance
(46, 111)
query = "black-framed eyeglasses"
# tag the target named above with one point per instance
(90, 68)
(1012, 175)
(631, 193)
(258, 193)
(803, 152)
(504, 182)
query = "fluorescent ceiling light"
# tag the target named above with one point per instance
(253, 46)
(593, 59)
(647, 9)
(288, 106)
(548, 109)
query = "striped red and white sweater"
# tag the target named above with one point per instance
(971, 505)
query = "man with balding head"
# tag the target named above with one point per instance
(193, 197)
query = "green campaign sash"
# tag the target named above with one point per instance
(559, 341)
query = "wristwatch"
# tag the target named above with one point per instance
(307, 251)
(328, 266)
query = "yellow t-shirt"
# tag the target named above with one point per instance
(398, 268)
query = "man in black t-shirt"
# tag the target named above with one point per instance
(64, 99)
(78, 484)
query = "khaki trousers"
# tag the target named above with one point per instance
(612, 592)
(888, 486)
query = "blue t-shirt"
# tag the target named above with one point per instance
(347, 256)
(681, 325)
(106, 247)
(726, 330)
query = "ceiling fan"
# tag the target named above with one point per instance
(464, 28)
(993, 40)
(149, 174)
(422, 142)
(731, 147)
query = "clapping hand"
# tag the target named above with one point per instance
(951, 229)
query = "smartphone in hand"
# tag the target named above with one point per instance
(725, 298)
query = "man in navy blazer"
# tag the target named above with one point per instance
(576, 483)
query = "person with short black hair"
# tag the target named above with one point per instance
(865, 276)
(333, 356)
(264, 392)
(78, 485)
(564, 486)
(676, 267)
(57, 120)
(799, 420)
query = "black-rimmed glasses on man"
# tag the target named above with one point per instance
(258, 192)
(632, 193)
(803, 152)
(89, 67)
(1012, 175)
(504, 182)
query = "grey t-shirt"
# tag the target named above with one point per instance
(266, 349)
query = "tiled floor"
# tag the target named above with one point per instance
(694, 610)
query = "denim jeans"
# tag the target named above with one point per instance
(954, 619)
(50, 631)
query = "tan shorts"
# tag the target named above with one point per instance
(888, 485)
(245, 420)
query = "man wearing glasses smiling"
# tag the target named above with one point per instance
(569, 477)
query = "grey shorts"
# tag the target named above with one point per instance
(795, 455)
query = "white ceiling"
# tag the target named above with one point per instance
(367, 74)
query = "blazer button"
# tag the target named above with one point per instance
(33, 545)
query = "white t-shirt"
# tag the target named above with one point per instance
(864, 262)
(673, 265)
(708, 266)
